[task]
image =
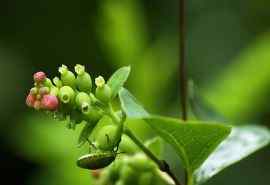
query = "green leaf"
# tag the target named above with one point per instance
(118, 79)
(85, 133)
(131, 106)
(242, 142)
(155, 145)
(193, 141)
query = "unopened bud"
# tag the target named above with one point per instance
(49, 102)
(30, 100)
(66, 94)
(44, 90)
(83, 80)
(37, 105)
(33, 91)
(67, 77)
(48, 83)
(99, 81)
(57, 82)
(82, 98)
(39, 76)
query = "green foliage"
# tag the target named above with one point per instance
(130, 105)
(118, 79)
(193, 141)
(243, 141)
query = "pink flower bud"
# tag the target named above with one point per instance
(37, 105)
(39, 76)
(30, 100)
(49, 102)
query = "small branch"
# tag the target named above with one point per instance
(183, 65)
(163, 165)
(182, 60)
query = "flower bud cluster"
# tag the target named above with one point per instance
(133, 169)
(39, 96)
(69, 96)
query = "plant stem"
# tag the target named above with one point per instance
(182, 61)
(183, 68)
(163, 165)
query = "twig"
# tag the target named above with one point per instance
(182, 60)
(183, 64)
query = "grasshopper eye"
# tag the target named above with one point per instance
(96, 161)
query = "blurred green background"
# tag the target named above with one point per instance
(228, 59)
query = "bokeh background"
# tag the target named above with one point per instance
(228, 59)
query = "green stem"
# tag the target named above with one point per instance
(189, 179)
(113, 116)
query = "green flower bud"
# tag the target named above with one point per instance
(92, 113)
(54, 91)
(103, 91)
(82, 100)
(108, 137)
(141, 163)
(48, 83)
(114, 170)
(33, 91)
(44, 90)
(83, 80)
(66, 94)
(67, 77)
(129, 175)
(57, 82)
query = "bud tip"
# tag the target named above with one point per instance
(99, 81)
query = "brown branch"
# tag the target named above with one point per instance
(182, 60)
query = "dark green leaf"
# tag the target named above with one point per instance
(242, 142)
(130, 105)
(193, 141)
(118, 79)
